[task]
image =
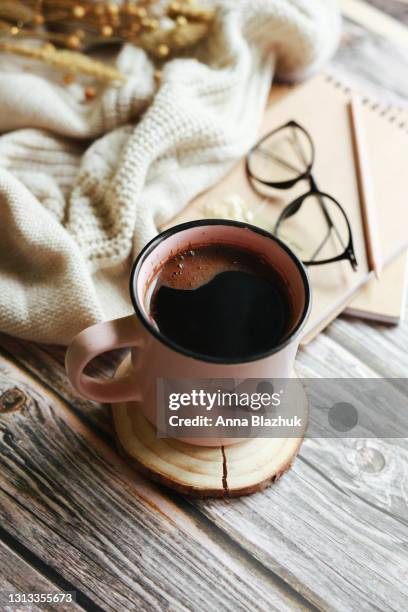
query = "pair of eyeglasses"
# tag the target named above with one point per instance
(280, 160)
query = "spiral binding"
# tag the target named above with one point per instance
(389, 112)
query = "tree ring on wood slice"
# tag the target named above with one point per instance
(200, 471)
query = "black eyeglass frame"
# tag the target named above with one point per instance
(293, 207)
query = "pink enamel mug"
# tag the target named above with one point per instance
(153, 355)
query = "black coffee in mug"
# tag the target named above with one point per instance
(221, 301)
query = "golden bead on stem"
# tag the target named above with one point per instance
(181, 20)
(140, 11)
(163, 50)
(39, 19)
(90, 93)
(78, 11)
(107, 31)
(113, 9)
(73, 41)
(150, 24)
(68, 79)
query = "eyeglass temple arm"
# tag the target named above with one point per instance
(314, 188)
(348, 254)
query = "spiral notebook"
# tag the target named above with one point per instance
(320, 105)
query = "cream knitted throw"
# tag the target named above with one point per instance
(73, 215)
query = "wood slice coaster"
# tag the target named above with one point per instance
(200, 471)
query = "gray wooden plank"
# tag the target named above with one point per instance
(320, 530)
(373, 64)
(384, 347)
(122, 541)
(46, 363)
(395, 8)
(326, 358)
(20, 577)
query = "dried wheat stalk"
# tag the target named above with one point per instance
(68, 61)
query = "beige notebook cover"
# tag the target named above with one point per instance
(383, 300)
(321, 106)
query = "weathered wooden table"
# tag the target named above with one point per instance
(332, 534)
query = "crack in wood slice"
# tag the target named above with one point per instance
(200, 471)
(224, 472)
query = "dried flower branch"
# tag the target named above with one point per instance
(162, 29)
(68, 61)
(84, 23)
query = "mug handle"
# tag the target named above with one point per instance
(94, 341)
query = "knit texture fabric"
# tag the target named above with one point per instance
(74, 214)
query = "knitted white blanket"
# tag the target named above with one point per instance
(73, 215)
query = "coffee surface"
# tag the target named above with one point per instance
(221, 301)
